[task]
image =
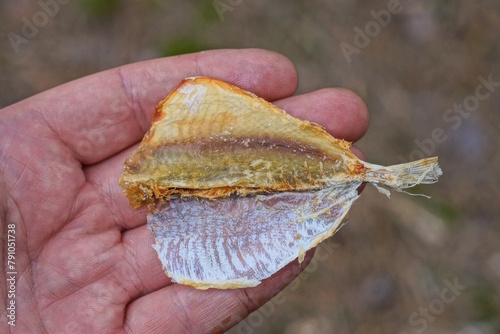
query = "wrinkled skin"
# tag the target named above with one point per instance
(83, 257)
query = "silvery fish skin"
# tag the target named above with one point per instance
(238, 241)
(238, 188)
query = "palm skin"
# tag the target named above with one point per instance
(83, 257)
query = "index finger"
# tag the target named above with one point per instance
(100, 115)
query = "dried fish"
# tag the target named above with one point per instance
(237, 188)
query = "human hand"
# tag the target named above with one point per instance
(83, 257)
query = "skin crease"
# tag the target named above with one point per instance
(83, 257)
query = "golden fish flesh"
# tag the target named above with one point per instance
(237, 188)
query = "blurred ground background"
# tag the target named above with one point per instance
(386, 271)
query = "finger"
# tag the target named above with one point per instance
(357, 152)
(143, 270)
(100, 115)
(104, 176)
(178, 308)
(341, 112)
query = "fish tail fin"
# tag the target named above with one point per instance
(402, 176)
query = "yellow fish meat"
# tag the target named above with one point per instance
(237, 188)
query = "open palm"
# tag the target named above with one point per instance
(83, 259)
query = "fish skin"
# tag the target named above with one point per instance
(210, 139)
(237, 188)
(236, 242)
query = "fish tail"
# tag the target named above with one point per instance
(402, 176)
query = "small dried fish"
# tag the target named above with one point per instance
(237, 188)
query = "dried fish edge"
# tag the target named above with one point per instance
(140, 194)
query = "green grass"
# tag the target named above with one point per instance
(485, 305)
(449, 212)
(99, 8)
(182, 45)
(207, 12)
